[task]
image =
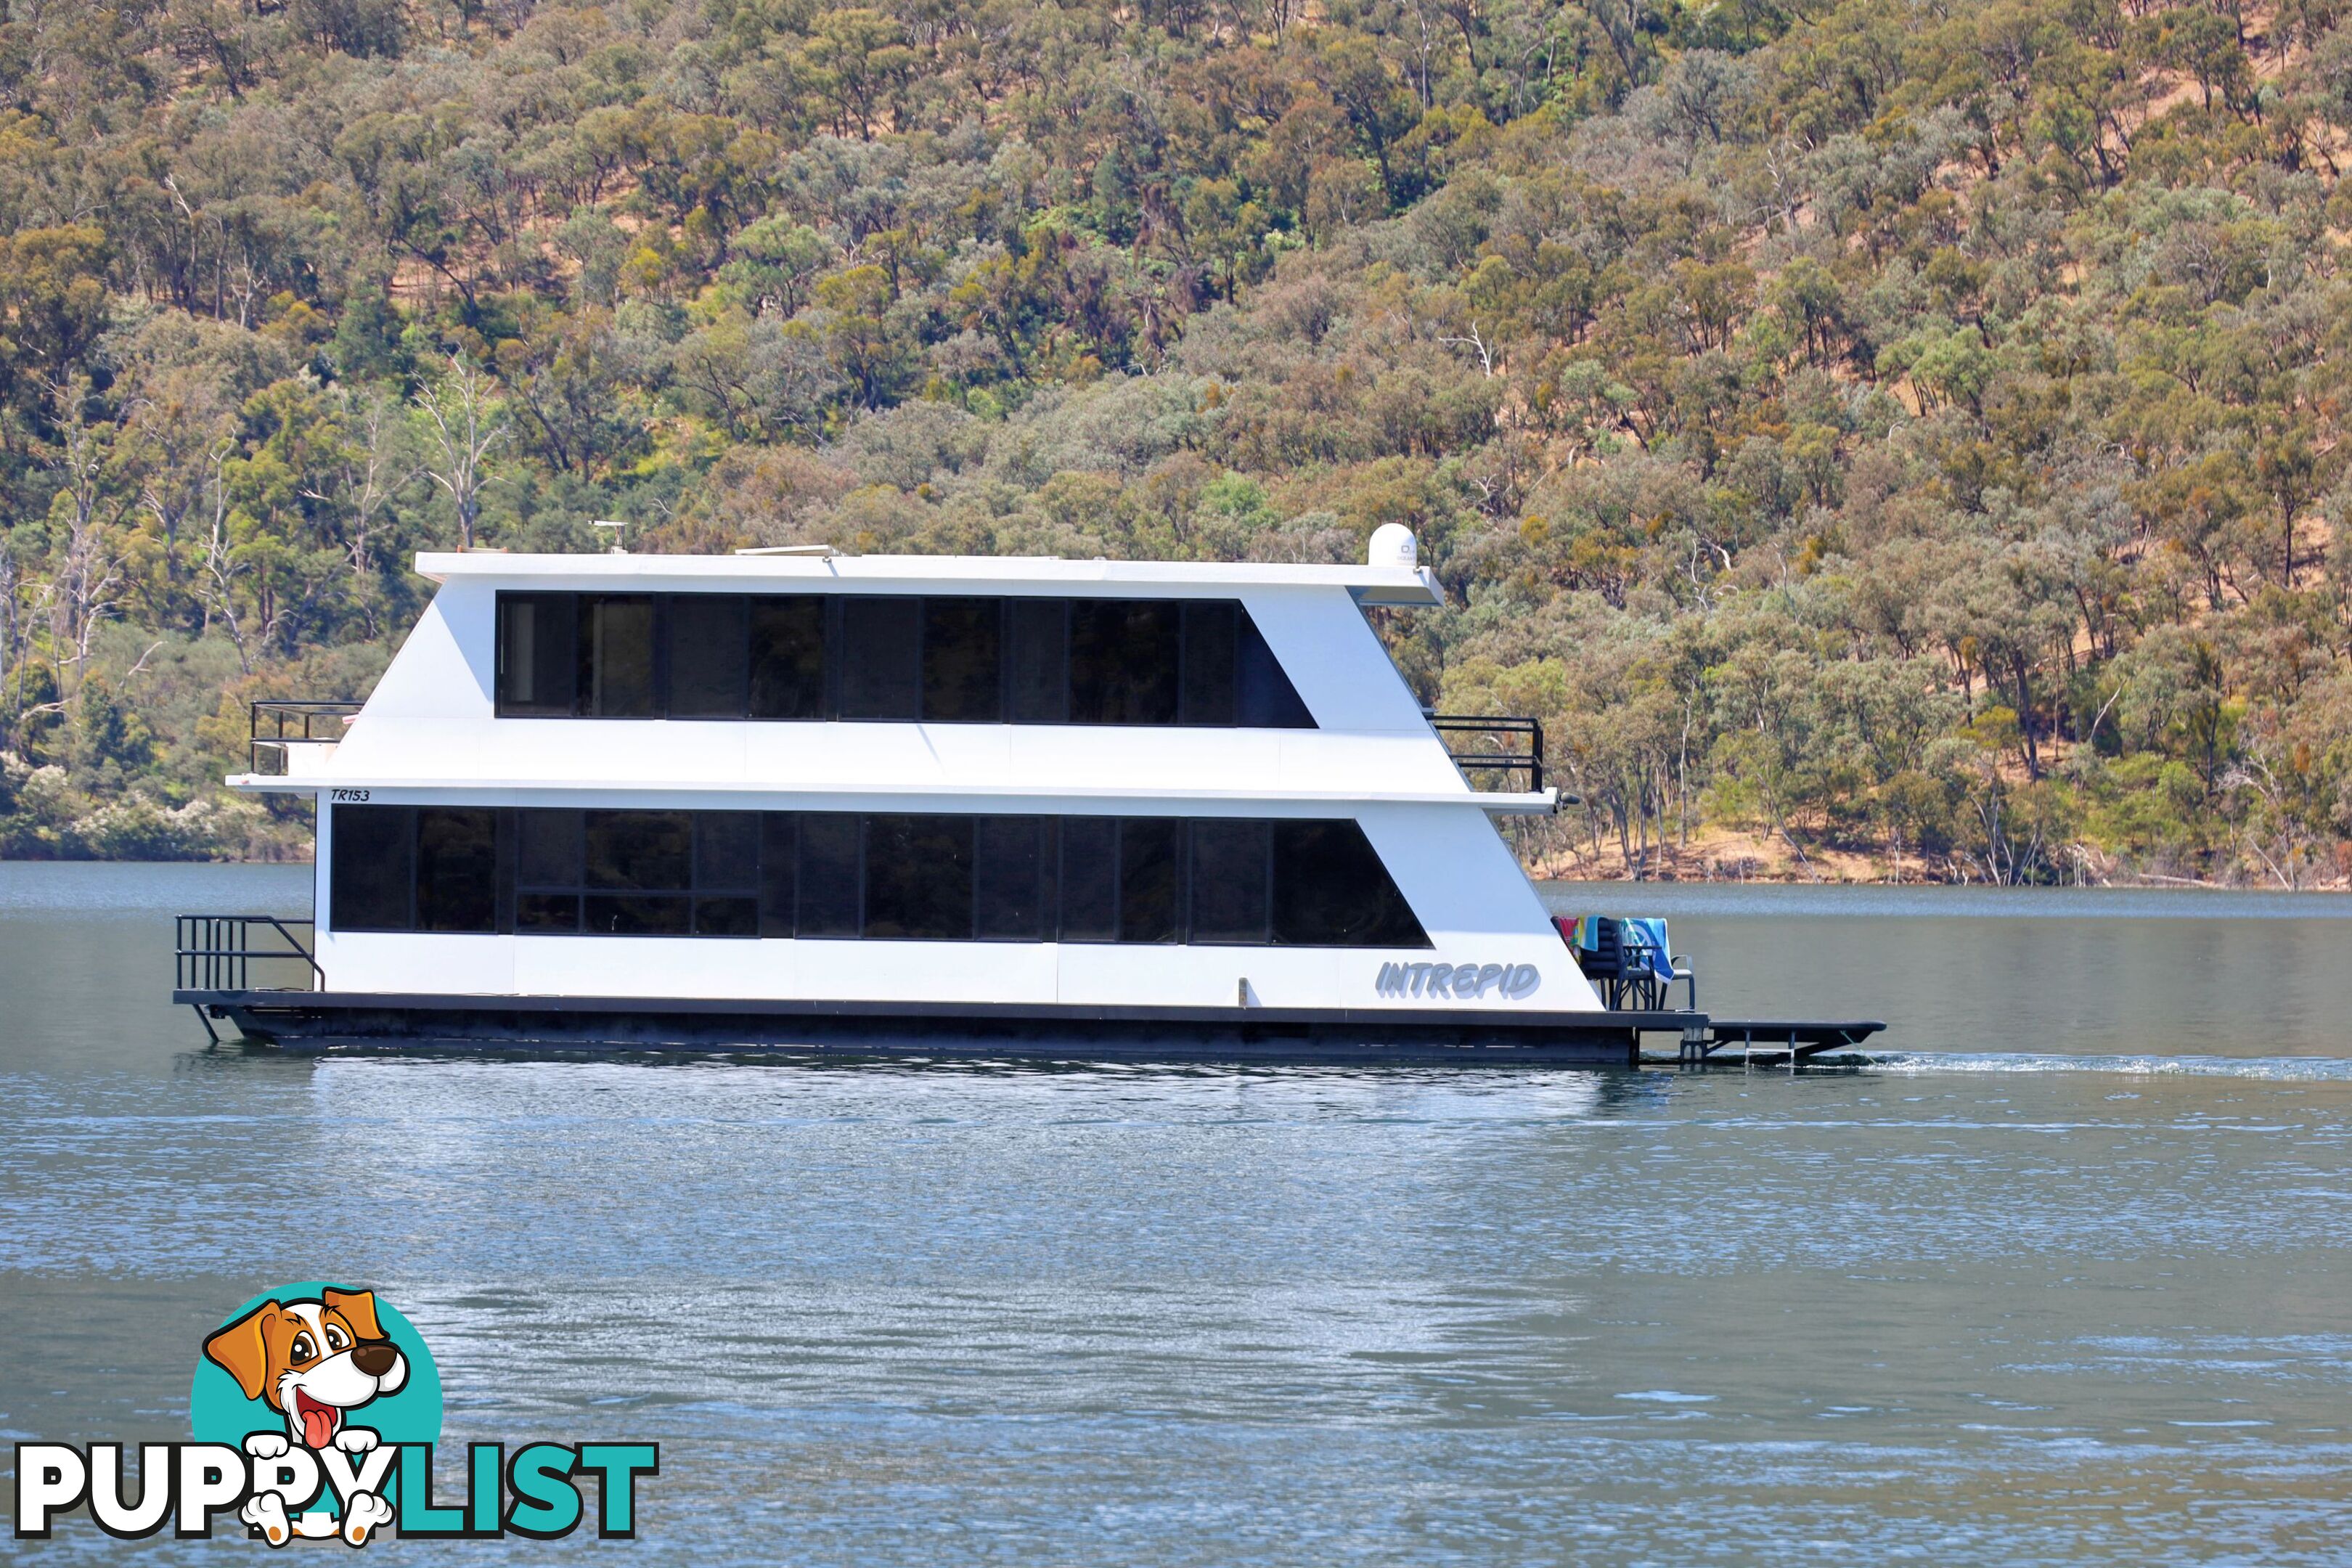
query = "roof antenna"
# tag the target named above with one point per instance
(617, 527)
(1393, 545)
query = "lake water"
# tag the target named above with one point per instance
(2065, 1277)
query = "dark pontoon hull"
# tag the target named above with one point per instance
(321, 1020)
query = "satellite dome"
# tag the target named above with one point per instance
(1393, 545)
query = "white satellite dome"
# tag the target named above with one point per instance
(1393, 545)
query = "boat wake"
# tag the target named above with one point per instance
(2316, 1069)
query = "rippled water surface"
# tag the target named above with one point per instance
(2062, 1278)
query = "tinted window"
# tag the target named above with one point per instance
(639, 914)
(370, 881)
(726, 917)
(1012, 885)
(1331, 891)
(627, 873)
(639, 849)
(964, 664)
(649, 852)
(1037, 661)
(617, 655)
(918, 877)
(780, 853)
(829, 877)
(709, 655)
(544, 913)
(1230, 880)
(537, 654)
(457, 868)
(949, 659)
(1207, 686)
(726, 873)
(549, 852)
(1089, 879)
(895, 875)
(881, 657)
(787, 657)
(548, 870)
(1150, 877)
(1123, 661)
(1263, 698)
(726, 851)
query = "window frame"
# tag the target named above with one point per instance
(1248, 665)
(746, 880)
(581, 887)
(404, 835)
(1264, 847)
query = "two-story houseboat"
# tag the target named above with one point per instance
(847, 803)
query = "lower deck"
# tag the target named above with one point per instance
(322, 1020)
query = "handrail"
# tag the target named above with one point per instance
(280, 721)
(1502, 731)
(214, 952)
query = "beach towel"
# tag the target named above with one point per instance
(1645, 941)
(1644, 936)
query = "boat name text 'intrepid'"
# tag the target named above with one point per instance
(1460, 981)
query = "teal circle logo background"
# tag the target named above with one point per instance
(218, 1411)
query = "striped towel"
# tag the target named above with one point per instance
(1648, 932)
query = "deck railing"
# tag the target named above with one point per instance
(222, 952)
(281, 723)
(1491, 747)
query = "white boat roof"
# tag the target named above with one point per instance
(1040, 574)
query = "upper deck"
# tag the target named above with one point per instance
(1310, 708)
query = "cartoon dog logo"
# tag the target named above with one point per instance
(313, 1361)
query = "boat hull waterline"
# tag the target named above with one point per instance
(326, 1020)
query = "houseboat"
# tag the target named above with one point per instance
(877, 803)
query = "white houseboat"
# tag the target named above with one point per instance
(876, 802)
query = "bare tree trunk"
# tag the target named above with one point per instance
(465, 425)
(220, 567)
(371, 476)
(11, 656)
(90, 572)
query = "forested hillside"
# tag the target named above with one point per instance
(1875, 437)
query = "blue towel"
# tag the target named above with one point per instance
(1648, 933)
(1644, 937)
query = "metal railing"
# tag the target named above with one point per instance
(1494, 747)
(218, 953)
(279, 723)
